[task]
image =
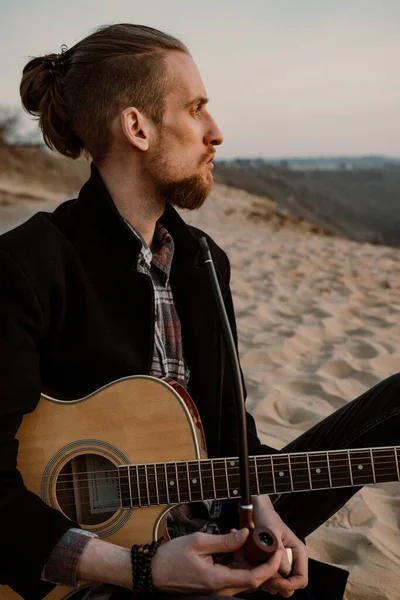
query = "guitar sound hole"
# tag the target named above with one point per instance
(87, 489)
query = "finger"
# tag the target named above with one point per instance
(208, 543)
(300, 561)
(246, 578)
(284, 586)
(286, 564)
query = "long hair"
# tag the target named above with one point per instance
(76, 95)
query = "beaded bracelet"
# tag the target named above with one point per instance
(141, 557)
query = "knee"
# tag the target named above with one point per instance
(389, 392)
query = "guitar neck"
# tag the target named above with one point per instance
(218, 479)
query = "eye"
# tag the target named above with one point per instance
(196, 109)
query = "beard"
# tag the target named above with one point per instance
(189, 193)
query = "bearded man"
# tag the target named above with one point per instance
(112, 284)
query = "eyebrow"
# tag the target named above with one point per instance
(198, 100)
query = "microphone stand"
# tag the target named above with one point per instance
(261, 543)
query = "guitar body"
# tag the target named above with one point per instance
(138, 442)
(135, 420)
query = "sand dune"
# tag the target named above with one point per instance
(318, 321)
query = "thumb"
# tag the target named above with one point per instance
(228, 542)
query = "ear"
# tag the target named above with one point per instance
(136, 128)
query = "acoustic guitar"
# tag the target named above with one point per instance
(118, 460)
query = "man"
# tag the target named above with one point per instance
(112, 284)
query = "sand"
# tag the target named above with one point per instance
(318, 323)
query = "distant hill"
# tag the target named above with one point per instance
(342, 163)
(362, 204)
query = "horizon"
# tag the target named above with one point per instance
(288, 81)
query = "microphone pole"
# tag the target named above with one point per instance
(261, 543)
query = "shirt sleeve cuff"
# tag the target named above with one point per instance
(62, 565)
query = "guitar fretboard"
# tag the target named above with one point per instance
(218, 479)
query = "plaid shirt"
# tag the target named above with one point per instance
(168, 360)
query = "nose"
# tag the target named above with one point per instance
(214, 135)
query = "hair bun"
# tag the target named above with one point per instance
(42, 96)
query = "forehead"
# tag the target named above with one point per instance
(186, 79)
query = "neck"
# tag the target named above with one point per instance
(219, 478)
(133, 197)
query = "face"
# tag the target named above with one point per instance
(178, 160)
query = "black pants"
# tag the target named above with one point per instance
(372, 420)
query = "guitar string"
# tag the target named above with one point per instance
(221, 473)
(150, 497)
(326, 454)
(311, 454)
(260, 463)
(142, 492)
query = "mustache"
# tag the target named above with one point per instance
(209, 157)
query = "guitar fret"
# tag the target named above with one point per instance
(161, 483)
(156, 482)
(273, 474)
(300, 472)
(329, 469)
(351, 474)
(264, 473)
(152, 484)
(221, 487)
(319, 471)
(340, 469)
(309, 471)
(201, 482)
(213, 479)
(138, 486)
(252, 476)
(281, 473)
(188, 480)
(124, 487)
(257, 480)
(373, 466)
(147, 483)
(290, 473)
(130, 488)
(386, 469)
(177, 482)
(234, 479)
(361, 467)
(194, 476)
(227, 478)
(166, 483)
(183, 483)
(207, 480)
(173, 491)
(143, 485)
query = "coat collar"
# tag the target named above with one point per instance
(97, 207)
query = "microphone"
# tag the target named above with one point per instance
(261, 543)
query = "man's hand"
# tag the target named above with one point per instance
(186, 564)
(266, 516)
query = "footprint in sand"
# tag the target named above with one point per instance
(362, 349)
(360, 332)
(337, 369)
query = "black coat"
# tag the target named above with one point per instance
(76, 315)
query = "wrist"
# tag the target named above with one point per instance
(263, 501)
(103, 562)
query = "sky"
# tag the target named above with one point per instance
(285, 77)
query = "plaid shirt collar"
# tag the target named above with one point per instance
(164, 253)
